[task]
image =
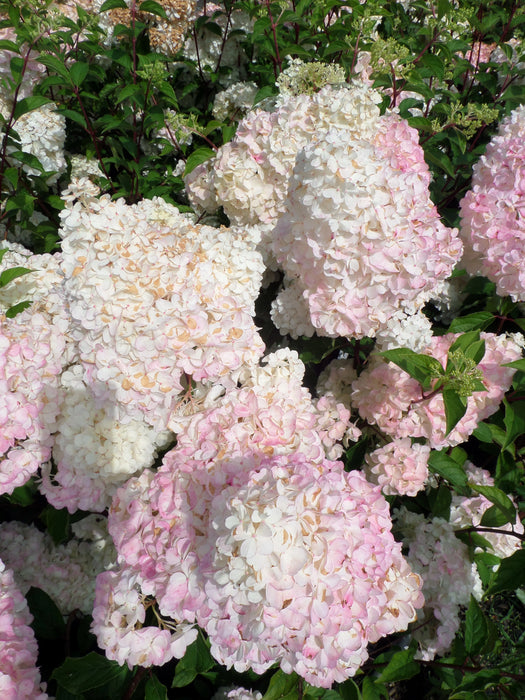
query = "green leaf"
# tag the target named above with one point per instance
(422, 368)
(349, 690)
(479, 681)
(517, 364)
(23, 495)
(78, 73)
(440, 463)
(74, 116)
(155, 690)
(28, 104)
(477, 321)
(476, 628)
(493, 517)
(78, 675)
(439, 501)
(199, 155)
(6, 45)
(11, 174)
(282, 686)
(483, 433)
(153, 7)
(400, 667)
(373, 691)
(48, 621)
(197, 659)
(263, 93)
(11, 274)
(455, 407)
(514, 421)
(13, 311)
(499, 498)
(57, 523)
(112, 5)
(55, 64)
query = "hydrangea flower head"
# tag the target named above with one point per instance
(492, 219)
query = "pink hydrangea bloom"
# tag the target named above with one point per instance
(270, 413)
(387, 396)
(19, 675)
(249, 175)
(119, 614)
(32, 355)
(279, 560)
(449, 579)
(467, 511)
(399, 467)
(360, 235)
(492, 212)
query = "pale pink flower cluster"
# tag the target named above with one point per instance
(155, 300)
(249, 175)
(232, 693)
(467, 511)
(278, 559)
(388, 397)
(492, 212)
(119, 614)
(19, 675)
(66, 572)
(399, 467)
(360, 236)
(271, 413)
(93, 452)
(449, 579)
(32, 355)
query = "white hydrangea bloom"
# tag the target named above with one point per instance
(37, 561)
(94, 452)
(42, 134)
(235, 101)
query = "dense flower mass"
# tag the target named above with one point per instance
(155, 301)
(119, 615)
(93, 452)
(388, 397)
(449, 579)
(33, 352)
(360, 235)
(19, 676)
(399, 467)
(493, 224)
(249, 175)
(37, 561)
(277, 559)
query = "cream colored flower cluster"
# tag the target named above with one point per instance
(156, 301)
(249, 175)
(93, 452)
